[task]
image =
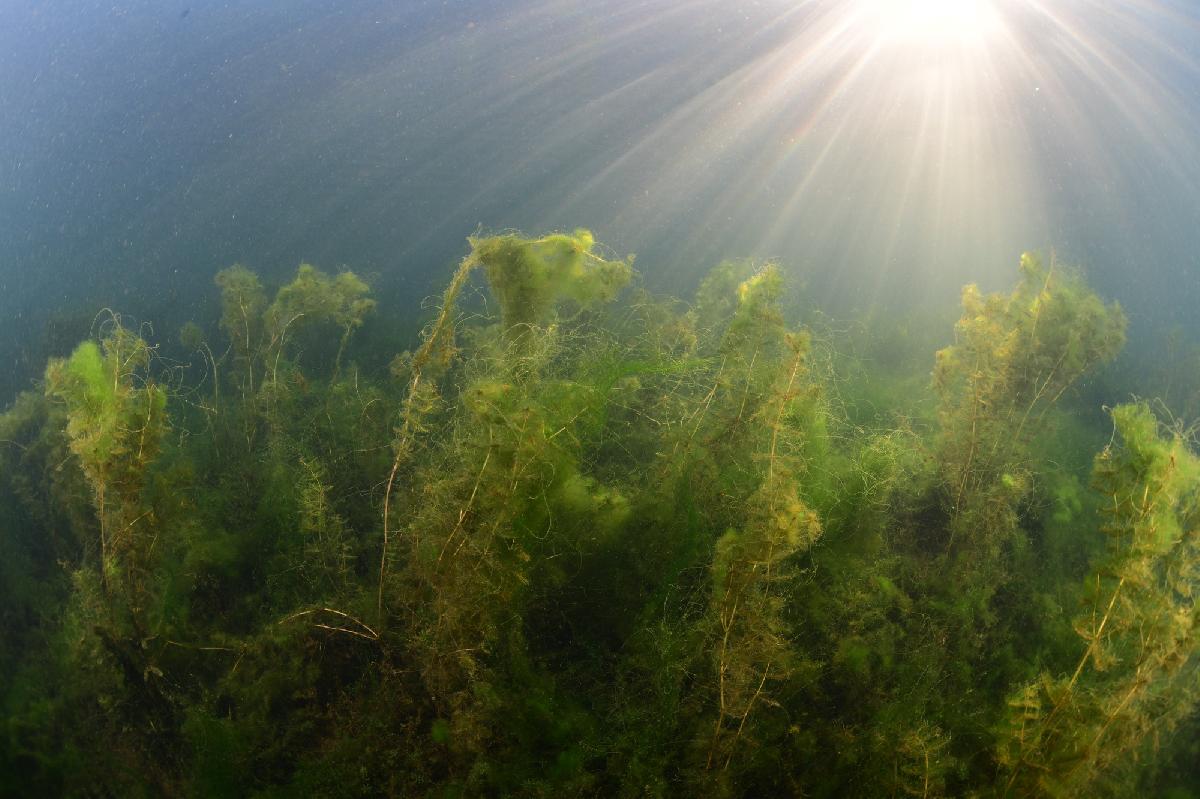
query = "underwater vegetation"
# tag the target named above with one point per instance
(583, 540)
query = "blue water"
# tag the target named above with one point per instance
(144, 145)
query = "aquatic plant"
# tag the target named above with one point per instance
(527, 277)
(1015, 355)
(630, 545)
(192, 337)
(1135, 677)
(504, 496)
(765, 420)
(312, 298)
(259, 332)
(242, 303)
(116, 418)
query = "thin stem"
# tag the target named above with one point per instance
(409, 414)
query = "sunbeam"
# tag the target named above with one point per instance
(932, 23)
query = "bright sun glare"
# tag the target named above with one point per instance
(932, 23)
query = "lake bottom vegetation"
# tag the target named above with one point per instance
(583, 540)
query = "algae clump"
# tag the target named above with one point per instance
(529, 276)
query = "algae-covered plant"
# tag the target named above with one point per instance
(599, 543)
